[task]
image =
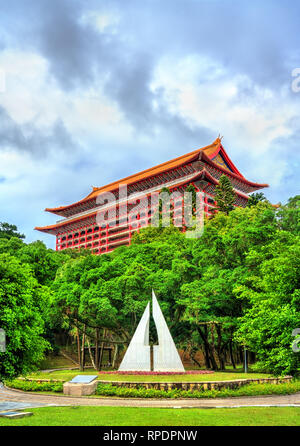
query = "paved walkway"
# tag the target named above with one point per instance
(14, 399)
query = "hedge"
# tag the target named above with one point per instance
(247, 390)
(35, 386)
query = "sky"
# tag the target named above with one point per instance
(91, 92)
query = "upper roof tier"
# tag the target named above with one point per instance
(214, 154)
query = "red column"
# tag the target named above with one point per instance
(129, 227)
(107, 237)
(92, 237)
(205, 204)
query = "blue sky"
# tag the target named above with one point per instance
(97, 90)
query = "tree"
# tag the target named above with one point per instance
(164, 214)
(44, 262)
(21, 300)
(255, 198)
(273, 292)
(209, 302)
(289, 215)
(7, 231)
(190, 208)
(107, 294)
(236, 285)
(225, 196)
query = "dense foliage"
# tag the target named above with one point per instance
(26, 271)
(225, 196)
(20, 317)
(7, 231)
(236, 286)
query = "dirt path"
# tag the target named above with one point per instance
(27, 399)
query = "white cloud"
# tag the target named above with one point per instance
(102, 21)
(25, 84)
(200, 91)
(31, 94)
(214, 100)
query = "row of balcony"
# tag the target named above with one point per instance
(100, 238)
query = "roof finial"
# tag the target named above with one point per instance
(220, 137)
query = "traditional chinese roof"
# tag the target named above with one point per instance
(202, 175)
(214, 154)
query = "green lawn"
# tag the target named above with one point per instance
(133, 416)
(67, 375)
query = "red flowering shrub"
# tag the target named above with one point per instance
(188, 372)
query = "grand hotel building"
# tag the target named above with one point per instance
(78, 227)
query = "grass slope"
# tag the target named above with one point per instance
(67, 375)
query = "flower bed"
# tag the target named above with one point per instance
(250, 389)
(195, 385)
(188, 372)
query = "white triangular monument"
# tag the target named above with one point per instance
(165, 354)
(137, 356)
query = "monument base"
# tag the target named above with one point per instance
(80, 389)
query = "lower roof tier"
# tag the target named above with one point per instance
(202, 180)
(213, 157)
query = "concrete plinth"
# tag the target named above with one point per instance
(80, 389)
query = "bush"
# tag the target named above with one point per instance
(35, 386)
(247, 390)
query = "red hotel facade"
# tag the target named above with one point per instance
(202, 168)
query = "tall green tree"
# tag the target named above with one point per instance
(255, 198)
(289, 215)
(225, 196)
(21, 300)
(273, 292)
(107, 294)
(209, 302)
(8, 231)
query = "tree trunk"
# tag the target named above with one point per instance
(194, 359)
(78, 349)
(90, 353)
(212, 345)
(208, 348)
(231, 354)
(115, 356)
(97, 349)
(219, 348)
(82, 349)
(102, 349)
(241, 355)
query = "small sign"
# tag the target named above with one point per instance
(2, 341)
(83, 379)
